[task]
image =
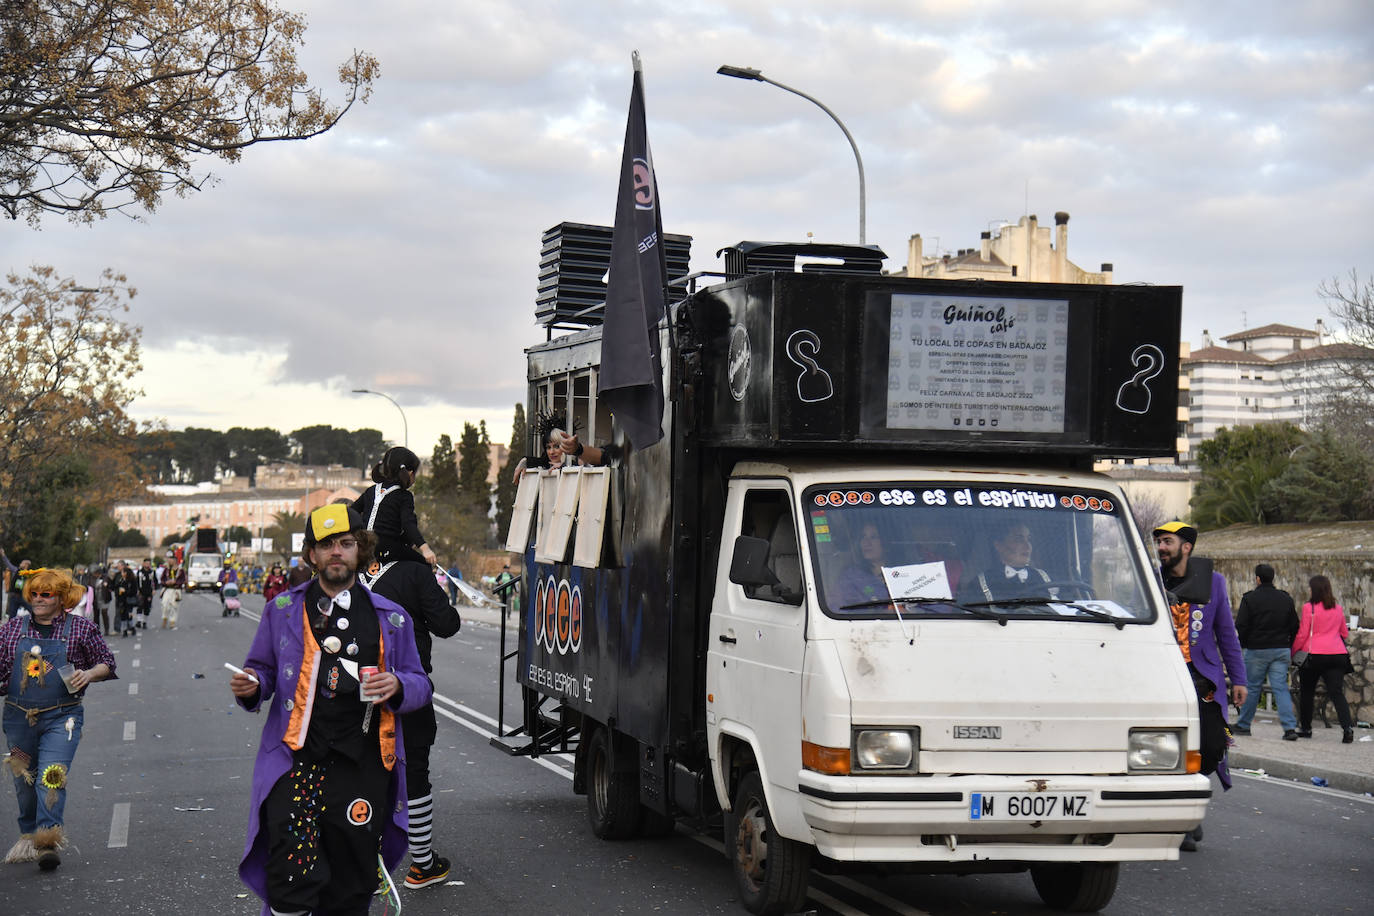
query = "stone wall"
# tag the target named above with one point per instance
(1352, 582)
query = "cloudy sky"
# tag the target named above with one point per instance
(1220, 146)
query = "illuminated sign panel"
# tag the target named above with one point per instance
(976, 363)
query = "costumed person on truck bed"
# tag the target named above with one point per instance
(1206, 634)
(551, 436)
(413, 587)
(389, 508)
(43, 712)
(329, 773)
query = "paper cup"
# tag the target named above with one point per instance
(67, 672)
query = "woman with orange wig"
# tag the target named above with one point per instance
(47, 659)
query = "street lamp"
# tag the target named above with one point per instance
(749, 73)
(404, 425)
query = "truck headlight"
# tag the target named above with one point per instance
(1154, 751)
(884, 749)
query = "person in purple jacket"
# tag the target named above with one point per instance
(1206, 635)
(329, 773)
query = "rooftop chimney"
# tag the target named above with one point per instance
(1061, 244)
(987, 246)
(914, 256)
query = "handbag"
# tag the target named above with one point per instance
(1300, 657)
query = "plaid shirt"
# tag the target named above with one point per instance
(85, 646)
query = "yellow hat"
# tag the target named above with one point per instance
(327, 521)
(1184, 531)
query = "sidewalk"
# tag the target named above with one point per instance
(1348, 767)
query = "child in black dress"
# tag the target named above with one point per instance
(389, 508)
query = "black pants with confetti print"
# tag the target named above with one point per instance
(324, 824)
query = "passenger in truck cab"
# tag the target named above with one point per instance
(1011, 575)
(862, 579)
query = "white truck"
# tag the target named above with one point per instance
(204, 560)
(866, 603)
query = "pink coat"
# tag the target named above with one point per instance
(1326, 634)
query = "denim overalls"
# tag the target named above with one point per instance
(42, 725)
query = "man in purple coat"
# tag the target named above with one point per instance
(1206, 635)
(328, 786)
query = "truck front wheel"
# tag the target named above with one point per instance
(612, 798)
(1076, 887)
(770, 869)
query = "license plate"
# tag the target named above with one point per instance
(1029, 806)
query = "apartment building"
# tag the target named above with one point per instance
(1274, 373)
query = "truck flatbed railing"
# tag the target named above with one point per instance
(544, 729)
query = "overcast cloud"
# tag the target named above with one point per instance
(1223, 147)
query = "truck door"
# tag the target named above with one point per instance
(758, 635)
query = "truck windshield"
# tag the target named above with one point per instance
(198, 562)
(987, 552)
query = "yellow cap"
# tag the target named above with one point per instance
(327, 521)
(1184, 530)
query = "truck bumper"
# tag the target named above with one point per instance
(919, 819)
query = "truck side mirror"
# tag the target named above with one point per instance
(749, 563)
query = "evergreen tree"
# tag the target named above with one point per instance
(442, 478)
(474, 467)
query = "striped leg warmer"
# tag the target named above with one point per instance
(421, 829)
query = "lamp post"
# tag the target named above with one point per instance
(749, 73)
(404, 425)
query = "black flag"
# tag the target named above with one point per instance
(631, 380)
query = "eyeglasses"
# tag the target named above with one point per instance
(45, 594)
(345, 543)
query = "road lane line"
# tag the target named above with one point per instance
(482, 717)
(135, 663)
(119, 826)
(129, 730)
(133, 689)
(473, 726)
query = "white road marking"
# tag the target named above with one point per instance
(133, 689)
(135, 663)
(137, 646)
(119, 826)
(130, 728)
(473, 726)
(833, 903)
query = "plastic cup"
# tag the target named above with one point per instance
(67, 672)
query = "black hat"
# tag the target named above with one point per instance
(327, 521)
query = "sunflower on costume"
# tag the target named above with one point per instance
(54, 776)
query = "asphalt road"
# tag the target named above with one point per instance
(160, 787)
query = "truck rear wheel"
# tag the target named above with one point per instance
(612, 798)
(770, 870)
(1077, 887)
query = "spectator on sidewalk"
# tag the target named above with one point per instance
(1321, 634)
(1267, 624)
(453, 573)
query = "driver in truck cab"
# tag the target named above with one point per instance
(1012, 575)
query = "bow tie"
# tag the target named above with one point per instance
(1014, 573)
(342, 599)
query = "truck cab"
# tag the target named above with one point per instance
(866, 603)
(903, 695)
